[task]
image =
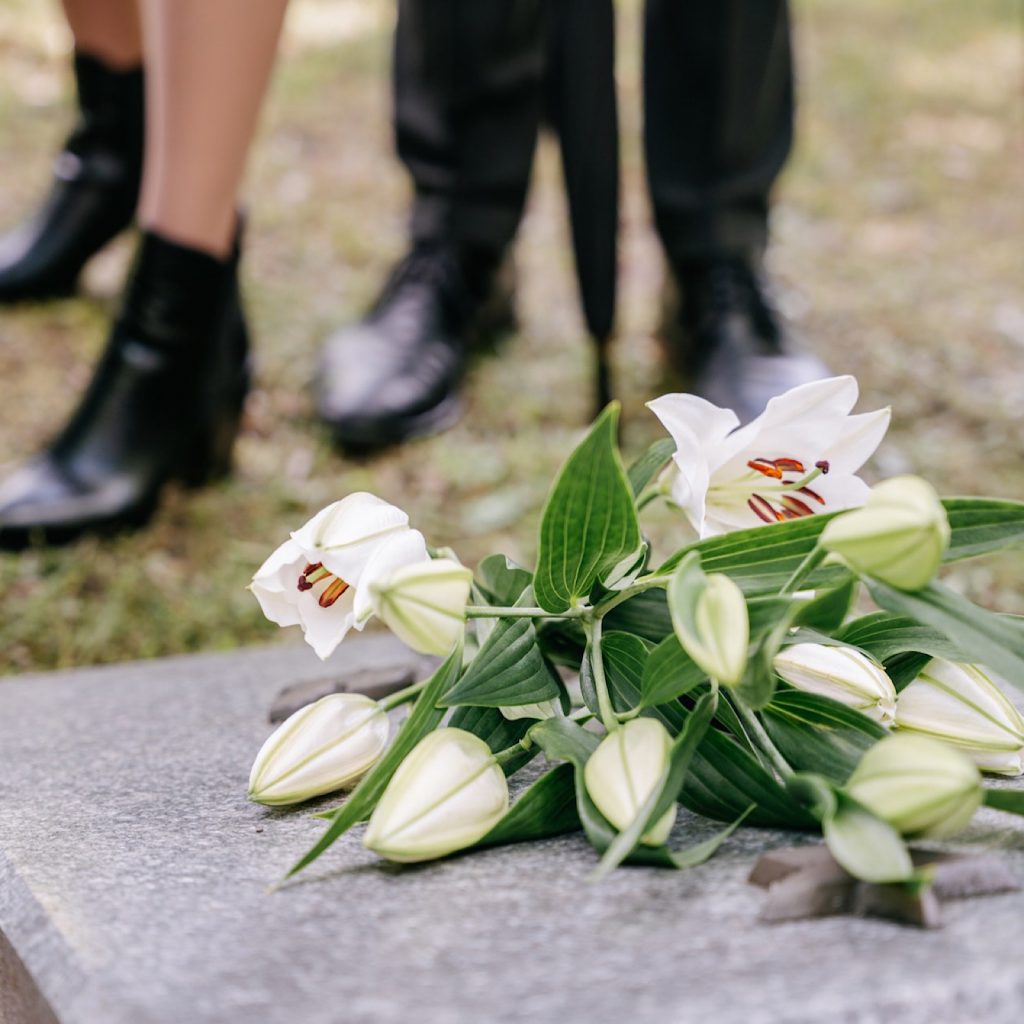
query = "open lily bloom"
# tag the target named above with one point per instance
(320, 578)
(799, 457)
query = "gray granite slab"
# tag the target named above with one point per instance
(134, 875)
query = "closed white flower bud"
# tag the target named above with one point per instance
(898, 537)
(842, 673)
(448, 793)
(326, 746)
(923, 788)
(622, 772)
(424, 603)
(715, 629)
(961, 705)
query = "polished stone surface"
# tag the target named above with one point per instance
(134, 888)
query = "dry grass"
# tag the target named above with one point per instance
(897, 254)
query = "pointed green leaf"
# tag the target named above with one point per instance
(547, 808)
(589, 523)
(1009, 800)
(650, 464)
(669, 673)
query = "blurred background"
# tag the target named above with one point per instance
(897, 255)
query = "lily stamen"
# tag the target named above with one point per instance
(311, 575)
(334, 590)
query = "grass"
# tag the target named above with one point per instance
(896, 254)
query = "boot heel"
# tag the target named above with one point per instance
(211, 456)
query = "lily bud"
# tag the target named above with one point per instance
(923, 788)
(326, 746)
(842, 673)
(714, 629)
(424, 603)
(448, 793)
(962, 706)
(623, 771)
(898, 537)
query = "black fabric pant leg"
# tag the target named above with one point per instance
(718, 95)
(468, 84)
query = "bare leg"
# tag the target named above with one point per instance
(106, 29)
(207, 67)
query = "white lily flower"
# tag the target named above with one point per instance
(960, 705)
(899, 536)
(320, 578)
(326, 746)
(923, 788)
(623, 771)
(800, 456)
(842, 673)
(448, 793)
(424, 603)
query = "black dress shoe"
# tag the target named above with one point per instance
(95, 188)
(396, 374)
(728, 340)
(164, 404)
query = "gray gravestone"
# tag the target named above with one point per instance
(134, 875)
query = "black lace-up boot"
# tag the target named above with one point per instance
(396, 374)
(94, 192)
(164, 404)
(728, 340)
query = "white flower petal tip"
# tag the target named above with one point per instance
(424, 604)
(960, 705)
(798, 458)
(898, 537)
(622, 772)
(324, 747)
(923, 788)
(842, 673)
(446, 795)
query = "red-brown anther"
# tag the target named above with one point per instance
(823, 466)
(766, 467)
(796, 506)
(762, 509)
(812, 494)
(315, 570)
(790, 514)
(334, 590)
(790, 465)
(304, 584)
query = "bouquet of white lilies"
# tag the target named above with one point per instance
(734, 677)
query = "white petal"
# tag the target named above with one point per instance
(405, 548)
(325, 628)
(687, 415)
(834, 396)
(861, 435)
(275, 584)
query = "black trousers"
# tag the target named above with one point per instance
(718, 116)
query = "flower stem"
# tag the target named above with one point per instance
(604, 700)
(637, 587)
(486, 611)
(399, 697)
(804, 569)
(502, 757)
(762, 739)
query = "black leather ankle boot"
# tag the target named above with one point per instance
(95, 188)
(164, 404)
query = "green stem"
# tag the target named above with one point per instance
(399, 697)
(502, 757)
(637, 587)
(804, 569)
(486, 611)
(604, 700)
(761, 738)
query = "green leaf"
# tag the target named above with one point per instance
(645, 615)
(864, 845)
(589, 523)
(501, 581)
(666, 791)
(756, 687)
(668, 673)
(995, 641)
(828, 609)
(650, 464)
(498, 732)
(424, 718)
(816, 733)
(547, 808)
(884, 635)
(762, 558)
(508, 670)
(1009, 800)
